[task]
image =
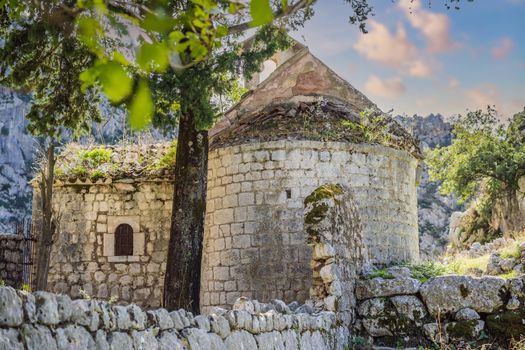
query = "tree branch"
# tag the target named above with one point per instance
(281, 13)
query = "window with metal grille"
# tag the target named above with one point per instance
(124, 240)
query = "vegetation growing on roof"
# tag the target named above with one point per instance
(327, 119)
(116, 162)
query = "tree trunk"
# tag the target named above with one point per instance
(48, 223)
(183, 270)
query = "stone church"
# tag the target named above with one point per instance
(300, 126)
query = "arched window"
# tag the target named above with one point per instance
(124, 240)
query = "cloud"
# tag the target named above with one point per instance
(434, 26)
(488, 94)
(385, 88)
(502, 48)
(453, 83)
(482, 96)
(392, 49)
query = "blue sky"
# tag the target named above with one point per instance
(418, 59)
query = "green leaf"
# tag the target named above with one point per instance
(261, 12)
(88, 32)
(153, 57)
(141, 108)
(115, 81)
(158, 22)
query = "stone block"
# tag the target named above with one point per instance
(11, 313)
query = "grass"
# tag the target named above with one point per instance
(462, 264)
(425, 271)
(510, 274)
(383, 273)
(510, 251)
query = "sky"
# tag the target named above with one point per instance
(421, 59)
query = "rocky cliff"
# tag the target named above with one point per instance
(434, 210)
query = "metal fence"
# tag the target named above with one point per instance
(17, 252)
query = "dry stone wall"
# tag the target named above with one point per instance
(49, 321)
(11, 259)
(460, 310)
(83, 255)
(255, 243)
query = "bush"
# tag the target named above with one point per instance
(96, 156)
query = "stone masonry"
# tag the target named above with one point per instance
(83, 255)
(11, 259)
(48, 321)
(255, 244)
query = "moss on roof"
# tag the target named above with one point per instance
(99, 163)
(319, 119)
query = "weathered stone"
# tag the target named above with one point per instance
(467, 330)
(101, 341)
(449, 294)
(202, 322)
(74, 337)
(379, 287)
(312, 341)
(137, 317)
(198, 339)
(9, 339)
(170, 341)
(83, 312)
(466, 314)
(29, 306)
(119, 341)
(46, 308)
(37, 337)
(216, 343)
(122, 317)
(161, 318)
(240, 340)
(293, 306)
(11, 313)
(144, 340)
(399, 271)
(411, 307)
(290, 339)
(270, 341)
(280, 306)
(433, 333)
(64, 307)
(178, 322)
(245, 304)
(219, 325)
(304, 309)
(508, 264)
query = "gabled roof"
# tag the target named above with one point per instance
(302, 92)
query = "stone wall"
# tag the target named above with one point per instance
(403, 311)
(83, 256)
(47, 321)
(11, 259)
(255, 243)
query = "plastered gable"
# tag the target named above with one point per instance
(302, 75)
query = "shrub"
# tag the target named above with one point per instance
(96, 156)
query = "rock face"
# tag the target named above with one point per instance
(17, 151)
(98, 325)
